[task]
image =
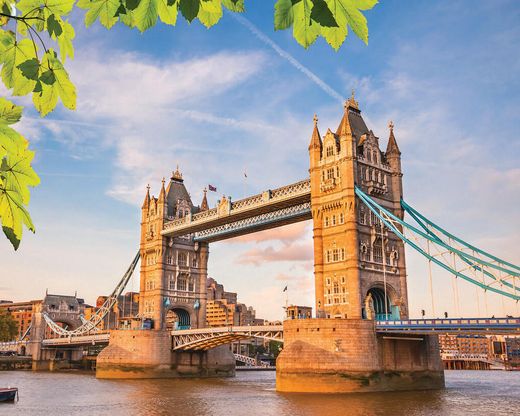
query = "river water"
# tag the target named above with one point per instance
(480, 393)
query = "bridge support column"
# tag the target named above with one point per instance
(148, 354)
(347, 355)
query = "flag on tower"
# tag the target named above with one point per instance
(212, 188)
(285, 289)
(245, 174)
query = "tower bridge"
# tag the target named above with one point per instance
(362, 338)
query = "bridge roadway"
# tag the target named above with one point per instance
(271, 208)
(207, 338)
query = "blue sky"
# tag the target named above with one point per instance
(221, 101)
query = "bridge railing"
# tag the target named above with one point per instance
(451, 322)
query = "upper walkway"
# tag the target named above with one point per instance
(271, 208)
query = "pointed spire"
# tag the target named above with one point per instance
(315, 138)
(392, 147)
(146, 202)
(204, 204)
(162, 194)
(344, 128)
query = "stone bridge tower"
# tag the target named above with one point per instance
(359, 266)
(173, 270)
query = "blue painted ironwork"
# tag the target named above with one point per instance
(398, 227)
(257, 221)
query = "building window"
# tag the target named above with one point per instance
(328, 280)
(330, 151)
(171, 281)
(181, 282)
(378, 251)
(335, 255)
(326, 221)
(194, 262)
(341, 218)
(342, 280)
(336, 288)
(330, 173)
(182, 259)
(191, 285)
(362, 215)
(333, 220)
(337, 171)
(342, 254)
(328, 256)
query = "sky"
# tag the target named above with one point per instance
(240, 97)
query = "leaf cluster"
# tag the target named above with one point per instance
(36, 39)
(327, 18)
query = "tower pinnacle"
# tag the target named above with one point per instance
(392, 147)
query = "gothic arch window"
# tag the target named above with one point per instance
(326, 221)
(375, 156)
(369, 156)
(181, 282)
(341, 218)
(378, 251)
(336, 288)
(182, 259)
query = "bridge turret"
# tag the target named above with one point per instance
(393, 157)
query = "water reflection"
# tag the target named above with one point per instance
(251, 393)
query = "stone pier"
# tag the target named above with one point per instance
(347, 355)
(148, 354)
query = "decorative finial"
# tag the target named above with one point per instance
(391, 125)
(351, 102)
(315, 119)
(177, 174)
(163, 180)
(148, 187)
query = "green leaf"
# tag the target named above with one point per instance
(53, 26)
(210, 12)
(16, 169)
(189, 9)
(283, 14)
(305, 30)
(48, 77)
(13, 213)
(146, 14)
(132, 4)
(104, 10)
(30, 68)
(46, 100)
(10, 140)
(168, 12)
(65, 41)
(234, 5)
(9, 112)
(321, 14)
(12, 54)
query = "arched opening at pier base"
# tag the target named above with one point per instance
(177, 318)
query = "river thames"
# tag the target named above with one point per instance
(251, 393)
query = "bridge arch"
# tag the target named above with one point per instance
(376, 295)
(177, 318)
